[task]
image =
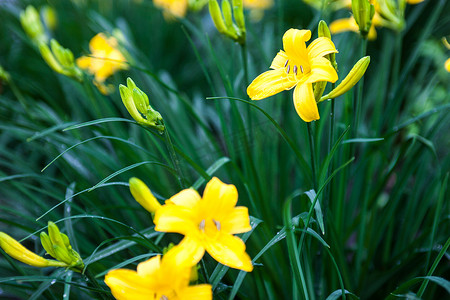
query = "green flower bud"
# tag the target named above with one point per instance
(363, 13)
(31, 23)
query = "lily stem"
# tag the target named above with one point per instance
(357, 101)
(92, 281)
(313, 155)
(173, 157)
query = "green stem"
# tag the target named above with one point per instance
(357, 101)
(92, 281)
(313, 155)
(174, 158)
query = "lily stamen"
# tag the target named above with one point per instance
(301, 68)
(288, 69)
(295, 70)
(285, 64)
(201, 226)
(217, 223)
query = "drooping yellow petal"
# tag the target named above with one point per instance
(269, 83)
(321, 70)
(127, 285)
(186, 198)
(219, 198)
(188, 251)
(197, 292)
(149, 267)
(321, 47)
(230, 251)
(83, 62)
(305, 103)
(237, 221)
(342, 25)
(174, 218)
(447, 64)
(294, 44)
(279, 61)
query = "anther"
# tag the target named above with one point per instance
(285, 64)
(295, 70)
(217, 223)
(288, 69)
(301, 68)
(201, 226)
(163, 297)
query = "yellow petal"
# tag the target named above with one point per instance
(279, 61)
(304, 102)
(188, 252)
(294, 44)
(343, 25)
(128, 285)
(238, 221)
(186, 198)
(219, 198)
(447, 64)
(372, 33)
(321, 70)
(143, 195)
(230, 251)
(174, 218)
(197, 292)
(99, 42)
(83, 62)
(269, 83)
(414, 1)
(149, 267)
(321, 47)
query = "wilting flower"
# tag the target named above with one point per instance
(157, 278)
(105, 58)
(297, 66)
(207, 223)
(56, 244)
(172, 8)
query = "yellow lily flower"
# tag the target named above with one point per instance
(207, 223)
(447, 65)
(157, 278)
(297, 66)
(172, 8)
(257, 8)
(105, 59)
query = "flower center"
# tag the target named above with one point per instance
(210, 228)
(296, 69)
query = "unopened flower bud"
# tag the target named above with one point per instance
(350, 80)
(142, 194)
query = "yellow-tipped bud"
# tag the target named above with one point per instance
(142, 194)
(138, 106)
(47, 244)
(50, 17)
(31, 23)
(227, 13)
(238, 11)
(216, 15)
(14, 249)
(60, 59)
(350, 80)
(363, 12)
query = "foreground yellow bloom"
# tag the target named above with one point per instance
(175, 8)
(157, 278)
(207, 223)
(105, 59)
(297, 66)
